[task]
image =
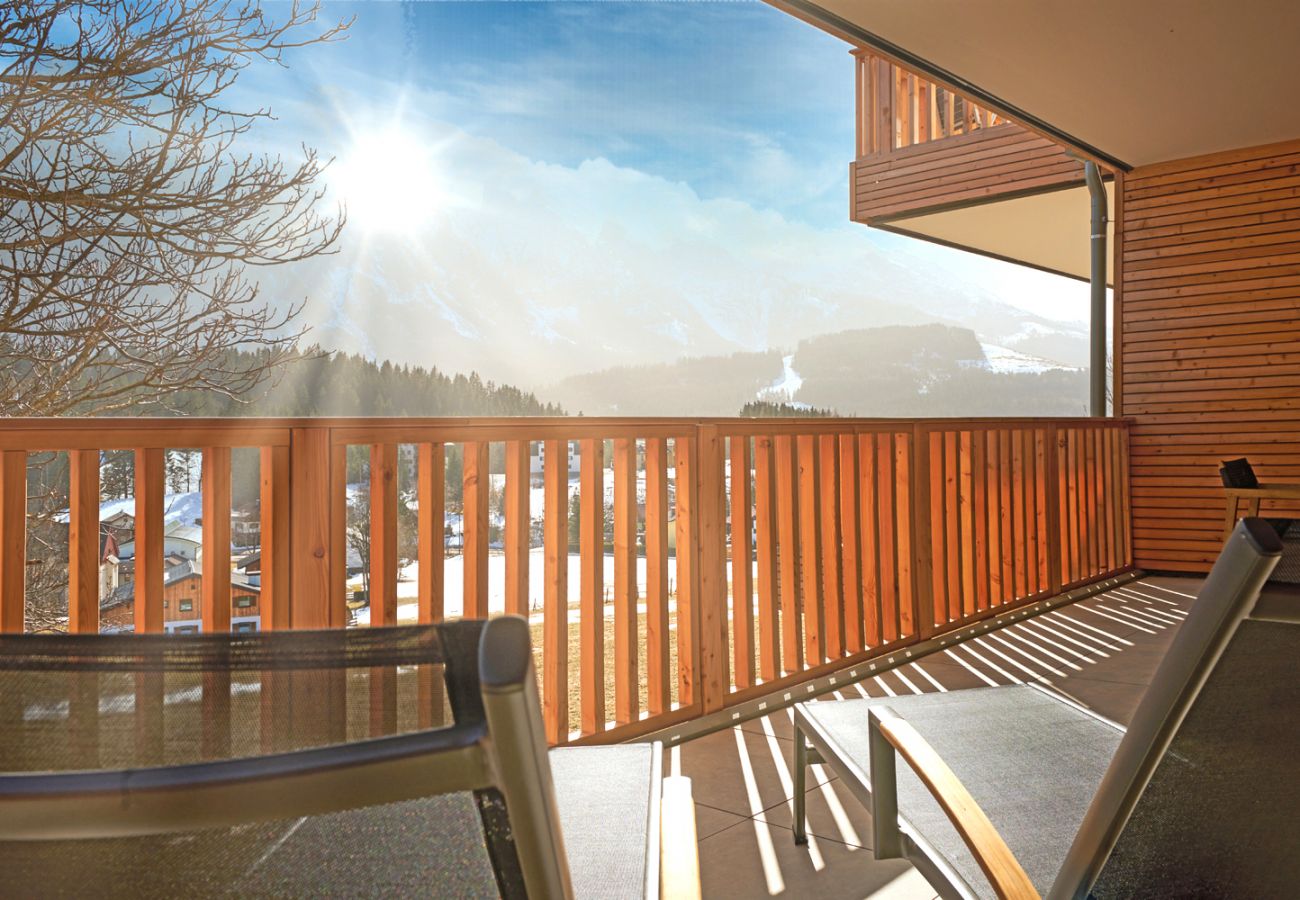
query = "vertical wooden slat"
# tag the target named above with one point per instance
(518, 524)
(431, 490)
(765, 527)
(952, 518)
(861, 81)
(788, 540)
(658, 675)
(150, 486)
(273, 475)
(868, 555)
(1041, 524)
(742, 567)
(997, 590)
(979, 503)
(941, 603)
(338, 556)
(714, 675)
(591, 550)
(1010, 546)
(555, 614)
(966, 512)
(383, 534)
(475, 518)
(1108, 497)
(883, 81)
(83, 541)
(13, 539)
(626, 681)
(814, 615)
(907, 619)
(828, 491)
(216, 539)
(920, 538)
(688, 645)
(1018, 512)
(850, 516)
(1052, 508)
(885, 535)
(1089, 484)
(310, 529)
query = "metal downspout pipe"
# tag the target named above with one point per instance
(1097, 285)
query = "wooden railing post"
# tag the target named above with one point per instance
(315, 601)
(83, 542)
(710, 553)
(276, 552)
(1053, 503)
(383, 534)
(150, 485)
(922, 540)
(216, 539)
(13, 539)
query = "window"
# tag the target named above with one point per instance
(186, 605)
(187, 629)
(243, 602)
(165, 602)
(245, 626)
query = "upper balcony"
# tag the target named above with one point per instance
(930, 163)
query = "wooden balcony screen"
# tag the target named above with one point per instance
(739, 555)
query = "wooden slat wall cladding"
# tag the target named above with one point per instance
(674, 567)
(921, 148)
(1209, 333)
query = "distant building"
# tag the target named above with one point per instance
(183, 603)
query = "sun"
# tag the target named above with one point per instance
(388, 181)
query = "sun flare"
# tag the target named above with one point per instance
(388, 181)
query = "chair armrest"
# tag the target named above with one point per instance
(889, 733)
(679, 852)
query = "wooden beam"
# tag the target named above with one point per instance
(555, 611)
(626, 678)
(13, 539)
(591, 531)
(83, 542)
(216, 539)
(657, 638)
(276, 551)
(383, 534)
(150, 487)
(518, 525)
(432, 500)
(742, 562)
(475, 519)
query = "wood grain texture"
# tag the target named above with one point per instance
(555, 604)
(591, 549)
(383, 534)
(276, 551)
(216, 539)
(13, 539)
(431, 497)
(83, 542)
(1207, 329)
(476, 488)
(150, 486)
(517, 527)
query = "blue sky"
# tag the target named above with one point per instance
(675, 158)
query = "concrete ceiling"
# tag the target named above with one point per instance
(1048, 231)
(1139, 82)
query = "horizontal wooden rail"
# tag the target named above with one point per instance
(669, 567)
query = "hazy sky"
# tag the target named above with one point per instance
(457, 124)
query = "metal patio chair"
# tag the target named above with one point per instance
(1013, 791)
(404, 761)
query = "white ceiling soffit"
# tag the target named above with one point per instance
(1140, 82)
(1047, 231)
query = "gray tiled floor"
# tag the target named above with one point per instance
(1101, 652)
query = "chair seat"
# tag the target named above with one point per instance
(428, 847)
(1032, 763)
(603, 794)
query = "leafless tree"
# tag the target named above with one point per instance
(132, 212)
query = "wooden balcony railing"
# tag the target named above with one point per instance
(739, 555)
(898, 109)
(922, 148)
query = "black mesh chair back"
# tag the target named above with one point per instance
(345, 762)
(1174, 740)
(1238, 473)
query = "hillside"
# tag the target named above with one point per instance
(922, 370)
